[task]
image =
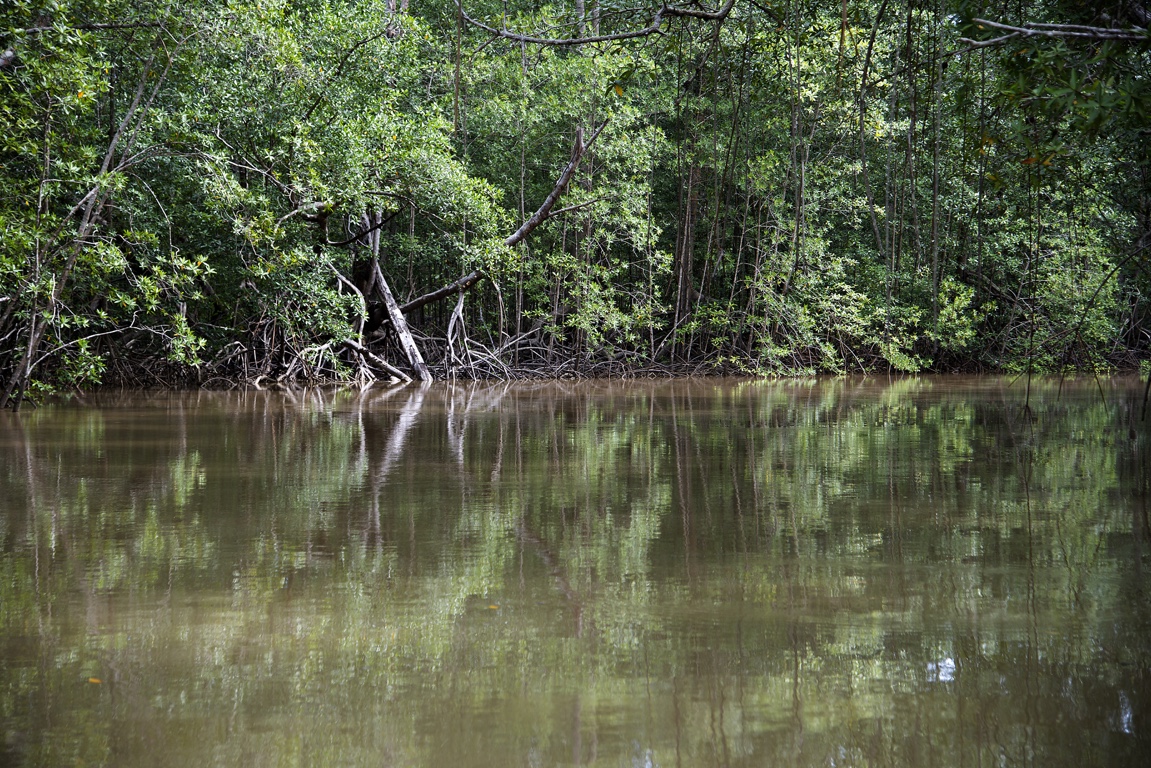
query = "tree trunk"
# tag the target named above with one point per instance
(685, 253)
(394, 314)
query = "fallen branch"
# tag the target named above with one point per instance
(375, 359)
(401, 325)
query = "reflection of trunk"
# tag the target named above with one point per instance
(577, 731)
(457, 426)
(683, 490)
(408, 415)
(393, 449)
(526, 534)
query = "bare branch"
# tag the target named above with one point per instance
(973, 44)
(462, 284)
(375, 359)
(1037, 29)
(665, 11)
(61, 347)
(361, 233)
(577, 206)
(561, 186)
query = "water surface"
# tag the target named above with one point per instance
(922, 572)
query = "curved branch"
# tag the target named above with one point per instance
(665, 11)
(361, 233)
(462, 284)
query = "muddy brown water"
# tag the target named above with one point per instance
(916, 572)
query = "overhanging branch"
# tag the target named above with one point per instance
(665, 12)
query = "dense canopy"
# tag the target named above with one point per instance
(264, 191)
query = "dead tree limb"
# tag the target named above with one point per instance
(462, 284)
(375, 359)
(561, 186)
(1072, 31)
(401, 326)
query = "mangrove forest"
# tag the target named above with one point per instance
(270, 192)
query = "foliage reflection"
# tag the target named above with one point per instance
(924, 571)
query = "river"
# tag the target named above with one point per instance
(827, 572)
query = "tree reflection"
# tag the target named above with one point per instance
(692, 573)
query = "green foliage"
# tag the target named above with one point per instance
(796, 188)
